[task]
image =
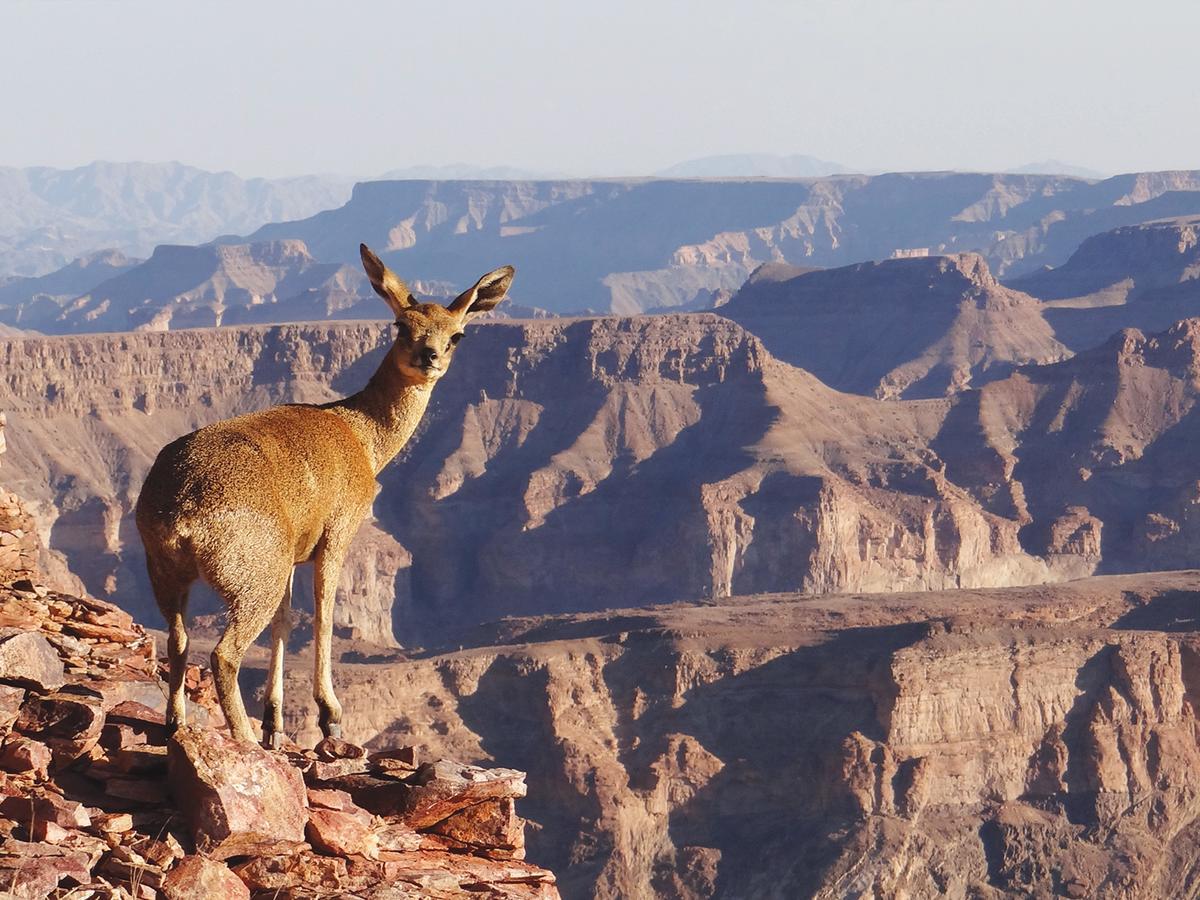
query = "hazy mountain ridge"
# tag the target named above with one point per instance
(632, 245)
(50, 216)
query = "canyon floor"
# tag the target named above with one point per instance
(1034, 741)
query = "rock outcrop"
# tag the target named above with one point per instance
(627, 246)
(911, 327)
(1031, 741)
(563, 464)
(97, 800)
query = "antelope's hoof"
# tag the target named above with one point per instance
(333, 730)
(273, 740)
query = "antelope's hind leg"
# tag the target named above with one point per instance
(252, 602)
(281, 626)
(171, 594)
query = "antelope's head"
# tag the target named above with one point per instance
(427, 333)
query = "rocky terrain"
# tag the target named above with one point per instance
(190, 287)
(1034, 741)
(1140, 276)
(627, 246)
(97, 800)
(572, 465)
(564, 465)
(916, 327)
(51, 216)
(623, 246)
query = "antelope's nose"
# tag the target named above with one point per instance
(429, 355)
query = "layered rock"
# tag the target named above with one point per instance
(1140, 276)
(563, 464)
(915, 327)
(1032, 741)
(95, 798)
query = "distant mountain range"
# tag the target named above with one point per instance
(50, 216)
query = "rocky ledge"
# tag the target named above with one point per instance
(96, 801)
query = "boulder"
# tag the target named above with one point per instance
(342, 832)
(304, 871)
(68, 723)
(237, 798)
(50, 808)
(21, 754)
(492, 825)
(438, 790)
(29, 660)
(201, 878)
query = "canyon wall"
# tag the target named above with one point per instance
(1031, 741)
(563, 465)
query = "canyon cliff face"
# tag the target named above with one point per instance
(627, 246)
(563, 465)
(1031, 741)
(574, 465)
(916, 327)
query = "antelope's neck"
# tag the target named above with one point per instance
(385, 413)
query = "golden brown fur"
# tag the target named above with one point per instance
(241, 502)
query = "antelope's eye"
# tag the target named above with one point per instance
(455, 338)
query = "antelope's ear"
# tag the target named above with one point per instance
(387, 283)
(485, 294)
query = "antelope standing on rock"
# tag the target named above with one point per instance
(241, 502)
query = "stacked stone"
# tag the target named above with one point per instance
(97, 801)
(20, 545)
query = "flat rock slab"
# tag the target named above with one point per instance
(29, 660)
(238, 798)
(439, 790)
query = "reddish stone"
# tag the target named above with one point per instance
(29, 660)
(100, 632)
(113, 823)
(395, 837)
(148, 791)
(492, 825)
(320, 771)
(50, 808)
(137, 760)
(200, 878)
(332, 748)
(402, 756)
(48, 832)
(237, 798)
(69, 724)
(36, 877)
(341, 833)
(11, 698)
(439, 790)
(297, 870)
(323, 798)
(20, 754)
(149, 723)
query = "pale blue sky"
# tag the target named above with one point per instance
(272, 88)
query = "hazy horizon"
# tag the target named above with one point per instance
(277, 90)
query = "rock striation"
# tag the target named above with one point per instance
(568, 465)
(908, 327)
(97, 800)
(1033, 741)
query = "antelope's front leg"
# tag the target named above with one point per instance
(281, 626)
(327, 568)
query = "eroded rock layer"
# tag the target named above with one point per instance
(1035, 741)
